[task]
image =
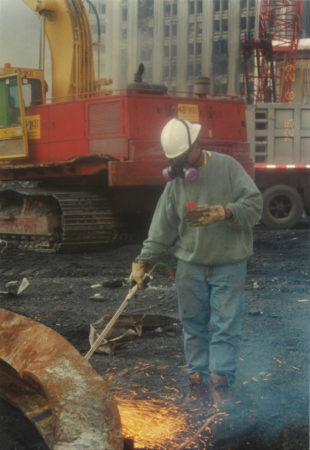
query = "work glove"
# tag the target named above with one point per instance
(205, 215)
(137, 275)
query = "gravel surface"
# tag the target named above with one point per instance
(69, 292)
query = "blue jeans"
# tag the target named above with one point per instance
(211, 306)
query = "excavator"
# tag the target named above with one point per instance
(79, 168)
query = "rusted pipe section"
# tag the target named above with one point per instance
(44, 376)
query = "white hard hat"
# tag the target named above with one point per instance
(177, 136)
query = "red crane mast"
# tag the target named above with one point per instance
(275, 51)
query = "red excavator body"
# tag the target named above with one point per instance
(107, 149)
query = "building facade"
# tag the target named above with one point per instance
(177, 41)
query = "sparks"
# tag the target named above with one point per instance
(153, 423)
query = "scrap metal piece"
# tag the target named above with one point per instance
(44, 376)
(126, 329)
(14, 288)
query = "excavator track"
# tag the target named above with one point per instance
(87, 221)
(62, 221)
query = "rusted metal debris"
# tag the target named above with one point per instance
(55, 387)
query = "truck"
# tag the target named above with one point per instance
(279, 137)
(77, 169)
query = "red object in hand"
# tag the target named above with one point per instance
(190, 205)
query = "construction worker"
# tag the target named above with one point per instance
(206, 215)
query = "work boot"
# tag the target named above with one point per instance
(220, 390)
(199, 394)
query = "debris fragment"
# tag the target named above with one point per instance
(255, 313)
(127, 328)
(15, 288)
(98, 298)
(115, 283)
(23, 285)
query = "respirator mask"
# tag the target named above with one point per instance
(181, 169)
(180, 166)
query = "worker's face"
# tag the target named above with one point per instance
(193, 158)
(189, 158)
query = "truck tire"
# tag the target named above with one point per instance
(307, 200)
(282, 208)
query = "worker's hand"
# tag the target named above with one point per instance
(138, 275)
(205, 215)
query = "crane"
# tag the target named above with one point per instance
(274, 50)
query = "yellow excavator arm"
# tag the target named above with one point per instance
(69, 35)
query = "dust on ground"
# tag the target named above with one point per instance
(68, 292)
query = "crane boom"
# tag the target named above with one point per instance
(69, 35)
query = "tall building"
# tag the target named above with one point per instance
(177, 41)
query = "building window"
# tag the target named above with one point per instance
(167, 31)
(124, 34)
(124, 14)
(166, 72)
(220, 88)
(190, 89)
(173, 70)
(148, 73)
(191, 7)
(146, 53)
(225, 5)
(243, 23)
(199, 29)
(199, 6)
(219, 57)
(251, 22)
(101, 9)
(191, 29)
(174, 29)
(174, 9)
(124, 65)
(167, 10)
(224, 25)
(217, 5)
(166, 51)
(220, 46)
(198, 48)
(173, 50)
(190, 70)
(216, 26)
(145, 8)
(190, 48)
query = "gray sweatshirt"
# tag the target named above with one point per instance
(222, 181)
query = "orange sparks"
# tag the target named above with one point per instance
(152, 423)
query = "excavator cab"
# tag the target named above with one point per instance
(13, 132)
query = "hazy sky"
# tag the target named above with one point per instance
(19, 34)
